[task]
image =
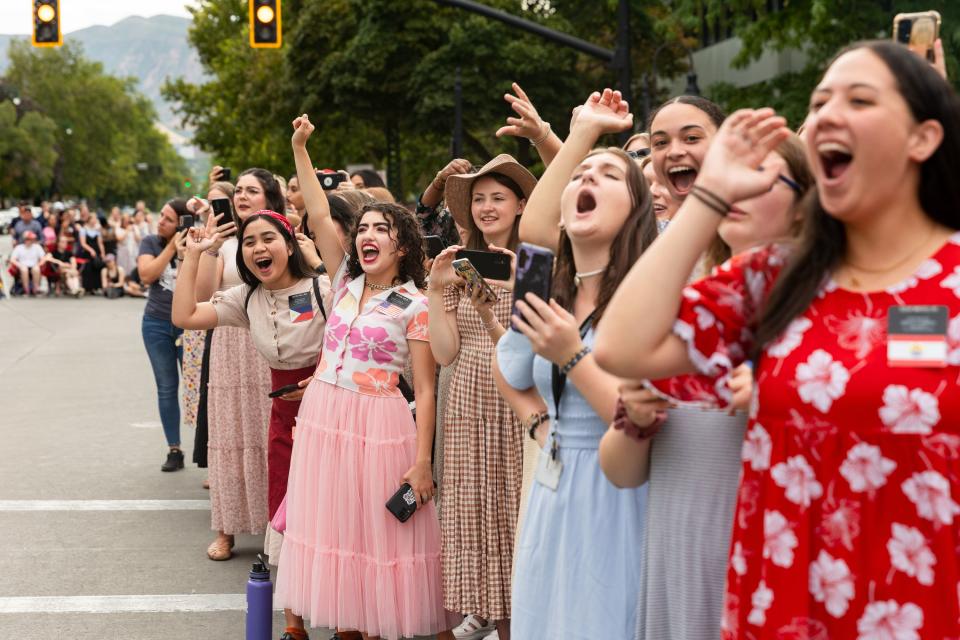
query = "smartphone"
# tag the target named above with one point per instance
(468, 272)
(403, 503)
(276, 393)
(330, 180)
(492, 265)
(225, 174)
(185, 222)
(918, 31)
(221, 206)
(534, 273)
(433, 246)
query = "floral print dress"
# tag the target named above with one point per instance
(847, 514)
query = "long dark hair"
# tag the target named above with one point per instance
(476, 241)
(408, 239)
(638, 232)
(824, 239)
(296, 263)
(272, 191)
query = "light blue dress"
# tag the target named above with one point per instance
(577, 566)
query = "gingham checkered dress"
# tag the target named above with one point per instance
(482, 467)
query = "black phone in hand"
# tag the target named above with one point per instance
(276, 393)
(492, 265)
(403, 503)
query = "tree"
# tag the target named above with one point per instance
(27, 152)
(102, 128)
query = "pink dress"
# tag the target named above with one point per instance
(346, 561)
(847, 515)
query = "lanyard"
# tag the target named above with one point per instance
(558, 380)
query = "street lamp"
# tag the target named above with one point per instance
(693, 89)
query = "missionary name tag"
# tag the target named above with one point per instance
(549, 469)
(301, 307)
(917, 336)
(394, 305)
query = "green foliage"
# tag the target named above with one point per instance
(820, 28)
(27, 151)
(366, 70)
(94, 126)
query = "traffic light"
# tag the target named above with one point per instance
(265, 24)
(46, 23)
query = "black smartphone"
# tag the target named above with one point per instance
(492, 265)
(330, 181)
(185, 222)
(276, 393)
(433, 246)
(221, 206)
(403, 503)
(225, 174)
(534, 273)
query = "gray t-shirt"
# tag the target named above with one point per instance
(160, 298)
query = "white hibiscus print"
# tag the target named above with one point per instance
(889, 620)
(705, 319)
(909, 553)
(926, 270)
(953, 341)
(791, 338)
(756, 448)
(865, 468)
(761, 600)
(909, 410)
(779, 540)
(798, 479)
(821, 380)
(952, 282)
(831, 583)
(738, 561)
(859, 332)
(930, 493)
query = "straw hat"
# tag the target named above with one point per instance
(456, 191)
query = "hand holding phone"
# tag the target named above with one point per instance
(185, 222)
(433, 246)
(534, 273)
(918, 31)
(474, 280)
(285, 389)
(492, 265)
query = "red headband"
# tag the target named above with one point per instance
(279, 218)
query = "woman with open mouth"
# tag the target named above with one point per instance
(347, 562)
(279, 303)
(593, 209)
(846, 523)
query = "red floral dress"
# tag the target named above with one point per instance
(847, 522)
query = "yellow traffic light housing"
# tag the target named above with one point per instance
(46, 23)
(265, 28)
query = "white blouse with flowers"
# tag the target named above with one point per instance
(365, 350)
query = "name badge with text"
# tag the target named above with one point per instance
(917, 336)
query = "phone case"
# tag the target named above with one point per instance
(473, 278)
(276, 393)
(918, 31)
(403, 503)
(489, 264)
(534, 273)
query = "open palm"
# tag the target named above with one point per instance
(607, 112)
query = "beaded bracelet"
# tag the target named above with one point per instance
(572, 362)
(534, 421)
(541, 139)
(623, 422)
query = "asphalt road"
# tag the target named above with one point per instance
(96, 541)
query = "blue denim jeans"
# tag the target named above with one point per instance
(160, 338)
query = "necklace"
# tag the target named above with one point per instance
(578, 278)
(899, 263)
(379, 287)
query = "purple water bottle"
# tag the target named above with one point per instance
(259, 602)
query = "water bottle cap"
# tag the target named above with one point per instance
(260, 570)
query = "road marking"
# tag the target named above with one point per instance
(188, 602)
(104, 505)
(146, 425)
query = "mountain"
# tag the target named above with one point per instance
(149, 49)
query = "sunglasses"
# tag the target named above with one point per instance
(638, 153)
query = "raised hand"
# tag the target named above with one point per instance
(605, 112)
(506, 285)
(214, 228)
(529, 124)
(200, 239)
(454, 167)
(732, 167)
(441, 272)
(552, 330)
(302, 128)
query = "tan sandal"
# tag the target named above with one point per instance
(221, 548)
(206, 483)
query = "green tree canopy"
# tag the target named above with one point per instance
(94, 126)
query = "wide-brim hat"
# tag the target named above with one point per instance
(456, 191)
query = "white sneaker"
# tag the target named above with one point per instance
(471, 629)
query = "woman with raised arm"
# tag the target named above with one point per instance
(347, 562)
(846, 520)
(577, 564)
(482, 439)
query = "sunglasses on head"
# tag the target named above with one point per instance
(638, 153)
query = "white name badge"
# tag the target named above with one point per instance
(548, 470)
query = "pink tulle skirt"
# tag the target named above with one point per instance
(346, 561)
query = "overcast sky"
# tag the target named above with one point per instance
(15, 15)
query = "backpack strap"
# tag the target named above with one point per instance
(316, 291)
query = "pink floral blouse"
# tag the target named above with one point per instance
(365, 350)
